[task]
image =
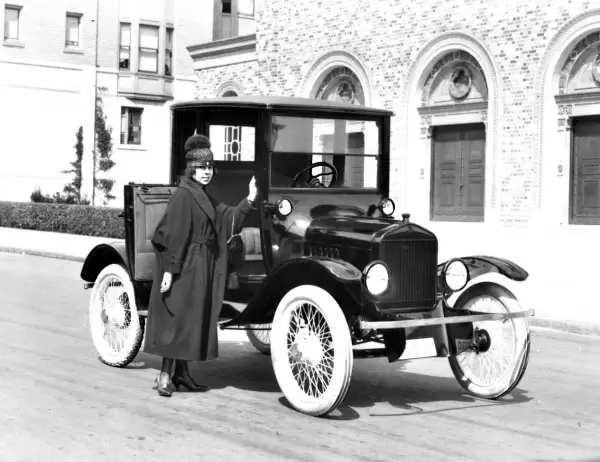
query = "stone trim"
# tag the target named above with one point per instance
(329, 61)
(447, 59)
(423, 64)
(229, 86)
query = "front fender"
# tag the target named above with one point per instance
(101, 256)
(482, 264)
(339, 278)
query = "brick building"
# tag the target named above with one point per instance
(495, 140)
(53, 56)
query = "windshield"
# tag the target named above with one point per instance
(351, 146)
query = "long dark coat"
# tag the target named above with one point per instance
(182, 322)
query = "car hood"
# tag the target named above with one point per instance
(343, 229)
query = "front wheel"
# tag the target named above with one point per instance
(260, 336)
(311, 350)
(116, 328)
(497, 367)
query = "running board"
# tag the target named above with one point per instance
(380, 325)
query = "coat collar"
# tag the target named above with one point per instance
(200, 197)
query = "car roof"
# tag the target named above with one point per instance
(281, 102)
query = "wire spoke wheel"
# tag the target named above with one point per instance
(115, 325)
(311, 350)
(260, 336)
(495, 364)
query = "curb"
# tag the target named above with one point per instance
(575, 327)
(41, 253)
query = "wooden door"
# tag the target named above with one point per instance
(585, 172)
(458, 180)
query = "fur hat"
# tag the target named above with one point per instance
(196, 142)
(197, 151)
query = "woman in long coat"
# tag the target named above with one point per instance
(190, 244)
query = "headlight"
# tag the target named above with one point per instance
(377, 278)
(284, 207)
(456, 275)
(387, 207)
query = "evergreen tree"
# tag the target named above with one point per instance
(103, 152)
(73, 189)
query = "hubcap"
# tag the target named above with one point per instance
(482, 340)
(308, 345)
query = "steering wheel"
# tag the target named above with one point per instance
(334, 172)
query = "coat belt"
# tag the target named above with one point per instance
(210, 240)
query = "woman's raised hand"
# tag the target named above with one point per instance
(252, 190)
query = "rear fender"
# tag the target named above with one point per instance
(339, 278)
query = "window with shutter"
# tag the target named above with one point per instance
(585, 171)
(458, 173)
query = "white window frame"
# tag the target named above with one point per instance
(169, 50)
(18, 9)
(126, 134)
(77, 16)
(122, 47)
(142, 49)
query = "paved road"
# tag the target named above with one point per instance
(59, 403)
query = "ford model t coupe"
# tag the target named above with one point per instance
(326, 269)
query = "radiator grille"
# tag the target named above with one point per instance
(413, 273)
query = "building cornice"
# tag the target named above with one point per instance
(224, 52)
(223, 47)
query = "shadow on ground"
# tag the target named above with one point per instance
(374, 381)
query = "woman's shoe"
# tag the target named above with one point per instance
(187, 382)
(164, 387)
(169, 384)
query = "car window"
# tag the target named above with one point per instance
(351, 146)
(232, 143)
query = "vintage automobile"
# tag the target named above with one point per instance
(328, 274)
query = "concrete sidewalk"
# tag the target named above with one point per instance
(47, 244)
(76, 248)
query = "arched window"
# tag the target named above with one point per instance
(341, 84)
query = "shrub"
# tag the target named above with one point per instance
(58, 198)
(63, 218)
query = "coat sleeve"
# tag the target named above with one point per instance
(238, 213)
(177, 230)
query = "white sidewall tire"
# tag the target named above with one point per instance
(342, 347)
(259, 342)
(522, 343)
(135, 329)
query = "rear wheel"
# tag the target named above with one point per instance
(495, 364)
(260, 336)
(311, 350)
(116, 328)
